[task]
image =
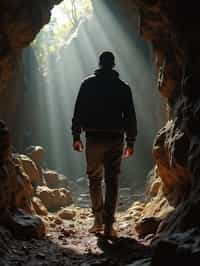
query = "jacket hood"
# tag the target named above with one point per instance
(110, 73)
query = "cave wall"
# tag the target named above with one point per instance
(20, 21)
(172, 28)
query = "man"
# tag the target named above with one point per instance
(104, 109)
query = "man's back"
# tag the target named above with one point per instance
(104, 98)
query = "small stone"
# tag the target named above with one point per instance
(128, 217)
(67, 232)
(58, 221)
(147, 226)
(54, 199)
(52, 178)
(67, 214)
(39, 206)
(52, 225)
(36, 153)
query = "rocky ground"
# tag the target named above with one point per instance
(68, 242)
(39, 208)
(40, 223)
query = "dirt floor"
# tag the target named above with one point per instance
(69, 243)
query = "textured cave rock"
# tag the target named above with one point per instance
(172, 29)
(170, 152)
(17, 212)
(158, 205)
(15, 188)
(183, 151)
(54, 199)
(20, 22)
(31, 169)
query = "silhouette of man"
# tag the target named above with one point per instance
(104, 109)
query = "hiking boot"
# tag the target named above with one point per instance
(109, 231)
(96, 228)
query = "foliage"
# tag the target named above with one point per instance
(64, 21)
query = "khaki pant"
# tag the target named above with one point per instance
(104, 160)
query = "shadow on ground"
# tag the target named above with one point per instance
(123, 249)
(80, 248)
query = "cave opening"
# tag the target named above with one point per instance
(62, 55)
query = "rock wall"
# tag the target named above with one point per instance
(20, 21)
(172, 28)
(16, 192)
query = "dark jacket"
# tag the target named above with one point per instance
(105, 104)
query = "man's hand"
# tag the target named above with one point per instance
(78, 145)
(128, 152)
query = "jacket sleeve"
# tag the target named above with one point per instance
(76, 120)
(130, 121)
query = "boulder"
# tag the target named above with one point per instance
(147, 226)
(157, 203)
(24, 225)
(39, 206)
(15, 187)
(53, 199)
(31, 169)
(24, 191)
(36, 153)
(66, 214)
(51, 178)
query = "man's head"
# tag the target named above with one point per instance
(107, 60)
